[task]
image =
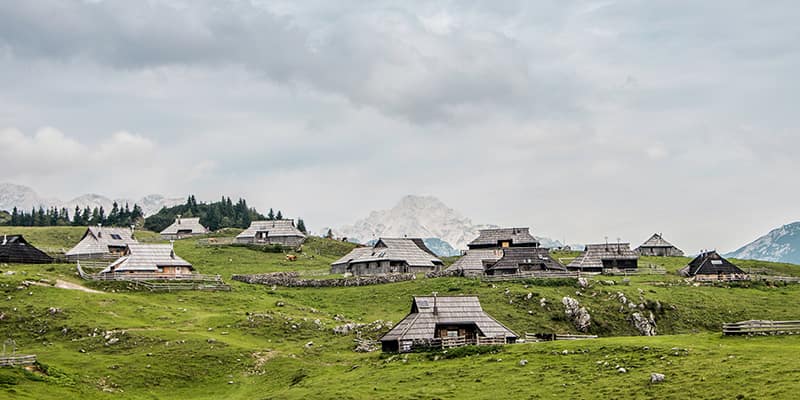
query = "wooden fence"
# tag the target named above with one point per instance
(651, 270)
(534, 275)
(756, 327)
(160, 282)
(13, 361)
(540, 337)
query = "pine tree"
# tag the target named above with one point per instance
(329, 235)
(301, 225)
(279, 216)
(271, 215)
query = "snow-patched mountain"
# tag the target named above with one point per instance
(418, 216)
(781, 244)
(25, 198)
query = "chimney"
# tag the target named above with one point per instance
(179, 219)
(435, 308)
(99, 230)
(133, 230)
(4, 240)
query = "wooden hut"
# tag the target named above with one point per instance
(444, 322)
(599, 257)
(102, 242)
(474, 262)
(521, 260)
(388, 256)
(503, 237)
(658, 247)
(15, 249)
(710, 266)
(281, 231)
(151, 261)
(183, 228)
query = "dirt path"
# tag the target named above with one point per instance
(74, 286)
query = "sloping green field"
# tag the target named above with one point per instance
(259, 343)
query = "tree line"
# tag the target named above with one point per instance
(224, 213)
(53, 216)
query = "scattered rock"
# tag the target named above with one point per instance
(583, 283)
(657, 378)
(523, 363)
(645, 325)
(622, 370)
(309, 344)
(579, 315)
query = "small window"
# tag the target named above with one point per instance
(116, 237)
(452, 333)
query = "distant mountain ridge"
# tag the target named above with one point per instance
(25, 198)
(780, 245)
(422, 217)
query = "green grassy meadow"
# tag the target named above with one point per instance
(258, 343)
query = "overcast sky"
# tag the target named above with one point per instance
(582, 119)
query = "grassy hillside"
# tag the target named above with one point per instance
(253, 342)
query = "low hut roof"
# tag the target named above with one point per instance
(394, 249)
(513, 257)
(476, 260)
(428, 311)
(147, 258)
(594, 255)
(711, 263)
(15, 249)
(492, 237)
(96, 240)
(274, 228)
(181, 225)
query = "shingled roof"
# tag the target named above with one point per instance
(475, 261)
(15, 249)
(96, 241)
(274, 228)
(185, 225)
(493, 237)
(514, 257)
(594, 255)
(147, 258)
(428, 311)
(412, 251)
(711, 263)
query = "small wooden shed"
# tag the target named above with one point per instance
(658, 247)
(280, 231)
(475, 261)
(436, 321)
(183, 228)
(711, 266)
(154, 261)
(599, 257)
(15, 249)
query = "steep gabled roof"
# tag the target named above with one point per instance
(147, 258)
(711, 263)
(594, 255)
(428, 311)
(274, 228)
(513, 257)
(492, 237)
(476, 260)
(656, 241)
(96, 240)
(15, 249)
(182, 225)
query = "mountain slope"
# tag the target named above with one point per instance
(419, 216)
(25, 198)
(781, 244)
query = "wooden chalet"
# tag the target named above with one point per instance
(710, 266)
(521, 260)
(658, 247)
(503, 237)
(15, 249)
(388, 256)
(152, 261)
(183, 228)
(100, 242)
(599, 257)
(445, 322)
(280, 231)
